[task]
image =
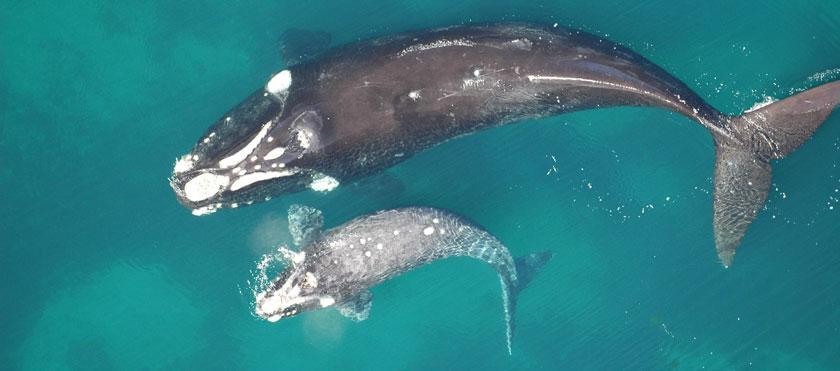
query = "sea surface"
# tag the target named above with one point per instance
(101, 268)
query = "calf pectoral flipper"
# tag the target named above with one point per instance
(357, 308)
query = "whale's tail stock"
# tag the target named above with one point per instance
(744, 152)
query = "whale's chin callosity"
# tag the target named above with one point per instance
(204, 186)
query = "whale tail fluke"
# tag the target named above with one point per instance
(526, 268)
(742, 168)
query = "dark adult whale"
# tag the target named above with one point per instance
(338, 266)
(365, 106)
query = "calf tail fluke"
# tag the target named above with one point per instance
(742, 168)
(526, 268)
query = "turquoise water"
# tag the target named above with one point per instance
(103, 269)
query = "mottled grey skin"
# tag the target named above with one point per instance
(371, 104)
(341, 264)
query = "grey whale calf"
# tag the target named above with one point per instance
(335, 268)
(360, 108)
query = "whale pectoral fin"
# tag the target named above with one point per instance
(358, 307)
(305, 224)
(298, 45)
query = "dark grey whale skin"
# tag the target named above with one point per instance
(374, 103)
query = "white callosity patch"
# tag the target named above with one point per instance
(428, 231)
(204, 186)
(184, 164)
(279, 83)
(414, 94)
(310, 279)
(278, 302)
(323, 183)
(304, 137)
(275, 153)
(270, 304)
(252, 178)
(243, 153)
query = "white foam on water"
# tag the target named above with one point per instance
(323, 183)
(768, 100)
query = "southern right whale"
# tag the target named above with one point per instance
(357, 109)
(337, 267)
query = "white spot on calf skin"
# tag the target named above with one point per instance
(436, 220)
(279, 83)
(428, 231)
(367, 253)
(379, 246)
(204, 186)
(414, 95)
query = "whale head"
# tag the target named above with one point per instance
(295, 291)
(255, 150)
